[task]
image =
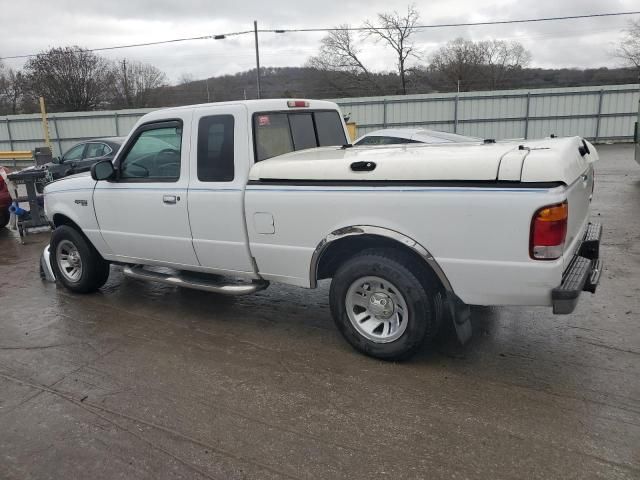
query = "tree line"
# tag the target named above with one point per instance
(76, 79)
(73, 79)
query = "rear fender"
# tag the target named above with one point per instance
(458, 311)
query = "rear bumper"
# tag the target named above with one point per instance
(582, 274)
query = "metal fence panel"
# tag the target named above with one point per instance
(600, 113)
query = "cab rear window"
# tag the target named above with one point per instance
(277, 133)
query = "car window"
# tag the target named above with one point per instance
(95, 150)
(155, 155)
(74, 154)
(383, 140)
(283, 132)
(215, 148)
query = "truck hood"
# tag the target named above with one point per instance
(547, 160)
(79, 181)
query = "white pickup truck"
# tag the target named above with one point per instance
(229, 197)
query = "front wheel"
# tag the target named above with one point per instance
(75, 262)
(382, 305)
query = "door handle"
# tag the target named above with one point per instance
(363, 166)
(169, 199)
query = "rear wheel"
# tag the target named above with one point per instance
(75, 262)
(383, 305)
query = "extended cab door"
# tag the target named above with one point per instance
(142, 214)
(220, 166)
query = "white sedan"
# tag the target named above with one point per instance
(394, 136)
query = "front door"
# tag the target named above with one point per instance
(143, 213)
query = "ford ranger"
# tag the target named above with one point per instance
(271, 191)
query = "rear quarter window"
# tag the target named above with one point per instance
(215, 148)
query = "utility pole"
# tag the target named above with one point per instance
(255, 31)
(207, 83)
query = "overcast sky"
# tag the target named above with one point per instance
(30, 26)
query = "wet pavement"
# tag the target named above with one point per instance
(149, 381)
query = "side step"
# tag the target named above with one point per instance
(185, 281)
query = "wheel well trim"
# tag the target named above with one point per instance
(356, 230)
(66, 219)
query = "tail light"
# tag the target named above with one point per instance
(548, 232)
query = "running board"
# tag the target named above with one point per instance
(139, 273)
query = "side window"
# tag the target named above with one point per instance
(75, 153)
(215, 149)
(397, 141)
(380, 140)
(154, 155)
(372, 140)
(94, 150)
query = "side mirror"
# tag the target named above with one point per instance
(103, 170)
(57, 160)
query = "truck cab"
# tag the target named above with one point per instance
(177, 194)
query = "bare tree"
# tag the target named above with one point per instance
(478, 64)
(136, 83)
(71, 78)
(396, 30)
(459, 60)
(629, 48)
(13, 88)
(340, 52)
(502, 58)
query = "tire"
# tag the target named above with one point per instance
(76, 263)
(409, 290)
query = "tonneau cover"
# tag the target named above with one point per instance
(548, 160)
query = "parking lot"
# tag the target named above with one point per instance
(148, 381)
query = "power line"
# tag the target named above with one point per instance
(466, 24)
(335, 29)
(146, 44)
